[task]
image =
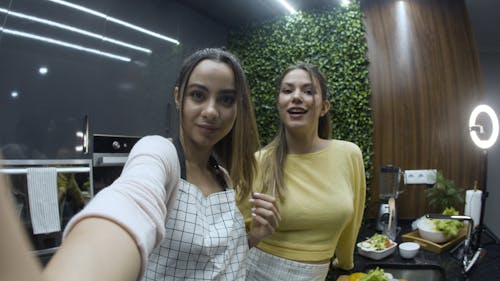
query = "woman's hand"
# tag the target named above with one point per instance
(265, 217)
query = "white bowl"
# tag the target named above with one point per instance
(428, 231)
(374, 254)
(408, 250)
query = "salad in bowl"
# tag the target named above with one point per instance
(439, 230)
(377, 247)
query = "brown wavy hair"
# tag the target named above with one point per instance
(236, 150)
(274, 157)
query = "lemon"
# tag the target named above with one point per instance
(356, 276)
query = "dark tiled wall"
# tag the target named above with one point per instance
(120, 97)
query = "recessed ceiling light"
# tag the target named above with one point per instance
(14, 94)
(43, 70)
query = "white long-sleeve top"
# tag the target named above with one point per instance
(141, 197)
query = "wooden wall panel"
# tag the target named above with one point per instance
(425, 77)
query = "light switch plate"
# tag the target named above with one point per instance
(420, 176)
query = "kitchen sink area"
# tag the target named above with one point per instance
(426, 265)
(428, 272)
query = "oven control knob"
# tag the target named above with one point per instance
(116, 145)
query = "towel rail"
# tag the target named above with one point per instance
(18, 171)
(40, 162)
(19, 167)
(86, 163)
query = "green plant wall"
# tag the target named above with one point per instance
(335, 40)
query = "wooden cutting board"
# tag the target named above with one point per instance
(414, 236)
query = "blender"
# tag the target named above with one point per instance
(388, 193)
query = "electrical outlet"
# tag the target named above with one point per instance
(420, 176)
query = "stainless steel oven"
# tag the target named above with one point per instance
(72, 188)
(109, 155)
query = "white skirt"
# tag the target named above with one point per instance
(262, 266)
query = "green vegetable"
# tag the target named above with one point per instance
(449, 227)
(450, 212)
(377, 242)
(376, 274)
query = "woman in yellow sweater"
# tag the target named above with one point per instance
(320, 183)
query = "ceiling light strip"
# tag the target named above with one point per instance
(143, 30)
(63, 43)
(75, 29)
(115, 20)
(287, 6)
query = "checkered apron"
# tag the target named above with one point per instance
(205, 239)
(266, 267)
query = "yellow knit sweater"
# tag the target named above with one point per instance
(323, 206)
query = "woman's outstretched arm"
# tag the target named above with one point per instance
(111, 238)
(16, 260)
(95, 249)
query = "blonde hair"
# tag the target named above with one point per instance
(235, 151)
(274, 155)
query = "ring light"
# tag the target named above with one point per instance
(484, 144)
(474, 130)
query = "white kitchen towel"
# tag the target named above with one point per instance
(42, 195)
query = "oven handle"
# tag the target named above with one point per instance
(110, 161)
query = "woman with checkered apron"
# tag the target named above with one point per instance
(172, 215)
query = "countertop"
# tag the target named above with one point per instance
(488, 267)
